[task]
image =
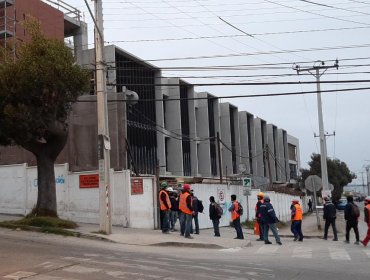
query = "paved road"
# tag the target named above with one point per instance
(37, 256)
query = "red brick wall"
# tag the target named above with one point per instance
(51, 19)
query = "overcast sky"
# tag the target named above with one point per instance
(259, 41)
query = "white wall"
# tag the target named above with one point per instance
(18, 195)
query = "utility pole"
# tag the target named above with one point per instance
(367, 179)
(323, 152)
(105, 209)
(219, 156)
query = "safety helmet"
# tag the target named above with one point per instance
(169, 189)
(186, 187)
(295, 200)
(367, 200)
(260, 194)
(267, 198)
(164, 185)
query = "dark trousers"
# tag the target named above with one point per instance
(196, 223)
(262, 228)
(165, 221)
(297, 229)
(354, 225)
(238, 228)
(331, 222)
(216, 227)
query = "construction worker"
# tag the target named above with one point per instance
(235, 217)
(296, 217)
(186, 208)
(330, 215)
(367, 220)
(258, 214)
(269, 219)
(165, 206)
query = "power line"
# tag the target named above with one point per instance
(237, 96)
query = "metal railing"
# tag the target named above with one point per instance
(66, 8)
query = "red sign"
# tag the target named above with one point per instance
(137, 186)
(89, 181)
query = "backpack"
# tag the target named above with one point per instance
(200, 206)
(240, 209)
(355, 211)
(219, 210)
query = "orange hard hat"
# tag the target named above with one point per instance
(260, 194)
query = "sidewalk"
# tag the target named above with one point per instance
(149, 237)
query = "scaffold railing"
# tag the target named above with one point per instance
(66, 8)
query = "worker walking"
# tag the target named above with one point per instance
(296, 217)
(351, 215)
(367, 220)
(235, 217)
(258, 214)
(269, 219)
(330, 215)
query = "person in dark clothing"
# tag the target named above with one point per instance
(330, 215)
(195, 213)
(269, 219)
(258, 214)
(214, 216)
(351, 220)
(310, 205)
(174, 209)
(235, 217)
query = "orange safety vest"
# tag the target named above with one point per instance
(161, 203)
(368, 210)
(298, 213)
(182, 203)
(234, 213)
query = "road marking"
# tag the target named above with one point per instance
(367, 252)
(231, 250)
(339, 254)
(19, 275)
(267, 249)
(81, 269)
(302, 252)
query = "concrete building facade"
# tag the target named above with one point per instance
(172, 128)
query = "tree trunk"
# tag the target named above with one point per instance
(46, 198)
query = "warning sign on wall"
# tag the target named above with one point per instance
(137, 186)
(89, 181)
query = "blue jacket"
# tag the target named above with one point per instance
(267, 212)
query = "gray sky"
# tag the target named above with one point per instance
(282, 32)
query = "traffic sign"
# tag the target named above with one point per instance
(247, 182)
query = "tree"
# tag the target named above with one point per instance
(37, 90)
(339, 174)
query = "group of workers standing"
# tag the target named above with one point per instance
(185, 207)
(351, 215)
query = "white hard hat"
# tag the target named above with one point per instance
(169, 189)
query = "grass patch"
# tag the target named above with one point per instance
(42, 224)
(248, 224)
(46, 222)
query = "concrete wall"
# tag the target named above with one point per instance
(18, 195)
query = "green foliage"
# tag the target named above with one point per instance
(49, 222)
(338, 173)
(37, 89)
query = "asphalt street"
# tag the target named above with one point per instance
(35, 256)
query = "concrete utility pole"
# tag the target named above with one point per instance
(103, 132)
(367, 179)
(323, 152)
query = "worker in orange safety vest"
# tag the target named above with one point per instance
(165, 206)
(186, 210)
(235, 217)
(296, 218)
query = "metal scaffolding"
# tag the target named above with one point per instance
(7, 24)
